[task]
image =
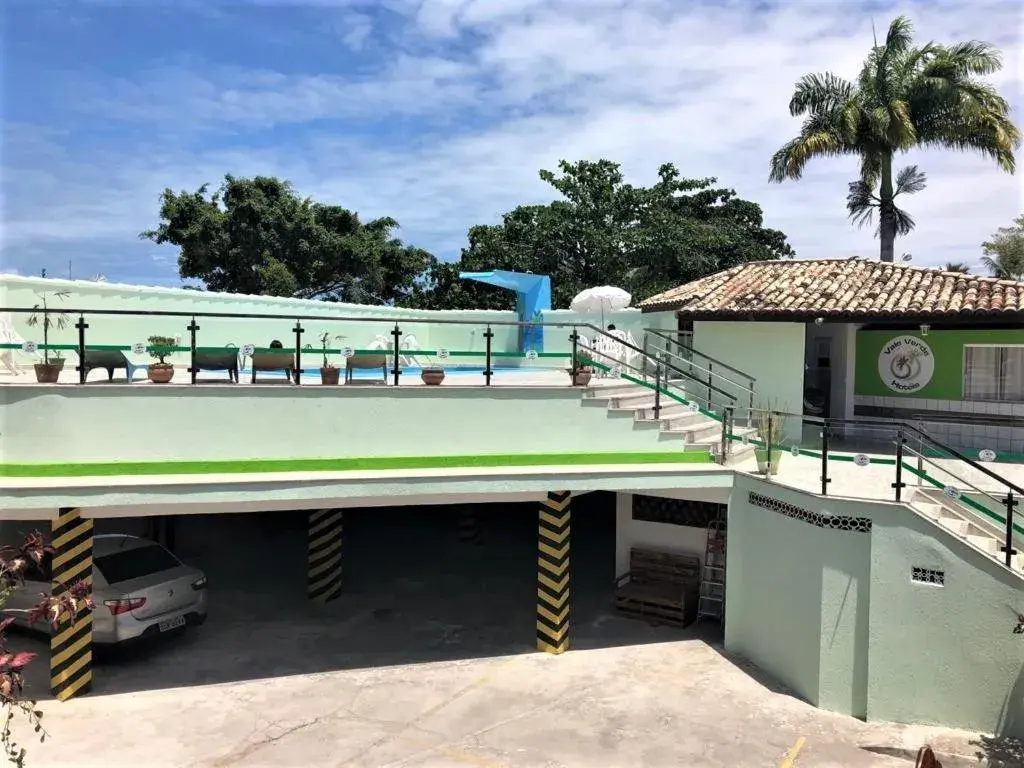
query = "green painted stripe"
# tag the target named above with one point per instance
(348, 464)
(965, 500)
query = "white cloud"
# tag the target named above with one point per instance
(501, 88)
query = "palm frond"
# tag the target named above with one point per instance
(861, 203)
(973, 57)
(910, 180)
(900, 35)
(819, 137)
(817, 93)
(904, 221)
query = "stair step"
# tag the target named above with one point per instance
(609, 391)
(738, 453)
(634, 402)
(956, 525)
(674, 414)
(1017, 562)
(929, 509)
(985, 543)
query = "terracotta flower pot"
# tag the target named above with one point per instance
(432, 376)
(329, 375)
(160, 373)
(49, 373)
(581, 378)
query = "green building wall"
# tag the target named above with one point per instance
(834, 615)
(947, 382)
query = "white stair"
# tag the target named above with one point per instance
(979, 533)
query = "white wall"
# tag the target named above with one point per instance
(684, 539)
(773, 353)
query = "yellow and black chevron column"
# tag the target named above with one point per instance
(553, 573)
(469, 526)
(71, 640)
(324, 581)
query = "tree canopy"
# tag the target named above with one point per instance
(603, 231)
(1004, 253)
(258, 236)
(905, 96)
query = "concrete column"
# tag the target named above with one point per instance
(324, 575)
(553, 573)
(71, 641)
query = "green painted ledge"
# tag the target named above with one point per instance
(111, 469)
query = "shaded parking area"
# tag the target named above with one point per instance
(412, 592)
(428, 660)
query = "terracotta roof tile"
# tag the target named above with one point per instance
(868, 289)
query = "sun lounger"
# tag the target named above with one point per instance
(366, 362)
(273, 361)
(110, 360)
(219, 360)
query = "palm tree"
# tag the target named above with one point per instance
(1004, 253)
(861, 200)
(957, 266)
(906, 96)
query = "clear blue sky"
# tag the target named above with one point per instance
(440, 113)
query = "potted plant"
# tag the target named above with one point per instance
(161, 347)
(432, 375)
(582, 375)
(329, 372)
(768, 423)
(48, 371)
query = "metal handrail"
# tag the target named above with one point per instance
(955, 476)
(709, 358)
(711, 373)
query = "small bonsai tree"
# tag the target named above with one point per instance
(41, 315)
(161, 347)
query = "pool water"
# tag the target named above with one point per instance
(406, 371)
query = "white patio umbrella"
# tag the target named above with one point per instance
(603, 298)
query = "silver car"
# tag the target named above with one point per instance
(140, 590)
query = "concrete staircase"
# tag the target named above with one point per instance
(982, 534)
(674, 421)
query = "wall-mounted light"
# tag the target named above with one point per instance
(819, 320)
(924, 329)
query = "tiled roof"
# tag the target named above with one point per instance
(857, 287)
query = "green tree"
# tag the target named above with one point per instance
(258, 236)
(1004, 253)
(957, 266)
(603, 231)
(906, 96)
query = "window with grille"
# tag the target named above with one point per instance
(994, 373)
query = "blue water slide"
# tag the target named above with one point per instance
(533, 298)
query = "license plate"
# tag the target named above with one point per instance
(177, 621)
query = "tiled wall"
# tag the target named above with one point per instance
(964, 424)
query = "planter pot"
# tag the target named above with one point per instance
(582, 378)
(329, 375)
(432, 376)
(48, 373)
(160, 374)
(761, 454)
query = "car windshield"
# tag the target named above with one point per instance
(129, 564)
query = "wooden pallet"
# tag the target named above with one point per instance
(660, 587)
(652, 613)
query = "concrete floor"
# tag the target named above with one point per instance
(427, 661)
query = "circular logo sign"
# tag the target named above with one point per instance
(616, 372)
(987, 454)
(531, 354)
(138, 348)
(951, 492)
(906, 364)
(861, 459)
(348, 352)
(248, 349)
(443, 354)
(796, 450)
(695, 407)
(29, 347)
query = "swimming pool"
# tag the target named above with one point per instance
(412, 370)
